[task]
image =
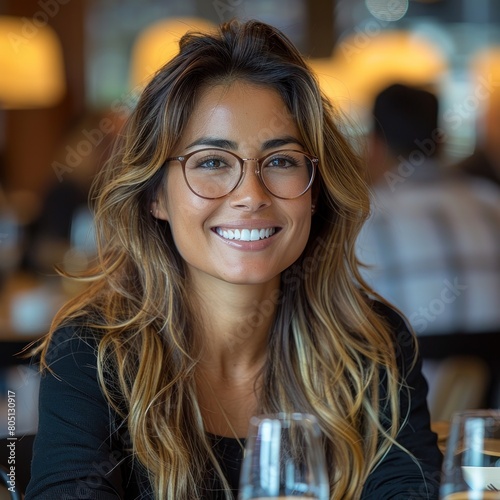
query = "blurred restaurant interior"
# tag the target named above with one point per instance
(71, 70)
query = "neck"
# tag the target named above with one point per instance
(235, 321)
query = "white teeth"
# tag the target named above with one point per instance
(246, 234)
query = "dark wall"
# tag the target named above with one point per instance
(32, 136)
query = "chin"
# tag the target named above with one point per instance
(250, 277)
(248, 280)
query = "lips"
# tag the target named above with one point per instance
(245, 234)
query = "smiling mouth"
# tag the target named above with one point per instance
(245, 234)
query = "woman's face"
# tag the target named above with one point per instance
(250, 121)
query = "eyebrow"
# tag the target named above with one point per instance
(228, 144)
(281, 141)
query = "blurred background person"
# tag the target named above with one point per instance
(431, 245)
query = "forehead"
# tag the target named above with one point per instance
(244, 113)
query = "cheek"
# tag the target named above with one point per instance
(187, 214)
(182, 221)
(302, 228)
(183, 230)
(179, 201)
(302, 214)
(305, 231)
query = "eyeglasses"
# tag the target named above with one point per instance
(214, 173)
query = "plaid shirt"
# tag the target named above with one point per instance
(433, 244)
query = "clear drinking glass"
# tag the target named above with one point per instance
(471, 467)
(284, 459)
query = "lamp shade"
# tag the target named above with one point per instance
(158, 43)
(31, 65)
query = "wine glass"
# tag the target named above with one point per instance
(284, 459)
(471, 467)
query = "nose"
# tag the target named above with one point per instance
(250, 194)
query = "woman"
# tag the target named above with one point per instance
(227, 286)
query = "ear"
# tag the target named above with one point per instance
(158, 211)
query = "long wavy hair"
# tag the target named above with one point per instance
(334, 348)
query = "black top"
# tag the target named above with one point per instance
(78, 452)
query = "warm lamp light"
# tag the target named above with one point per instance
(334, 82)
(357, 71)
(158, 43)
(31, 65)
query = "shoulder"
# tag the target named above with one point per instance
(396, 321)
(70, 374)
(404, 339)
(388, 312)
(72, 346)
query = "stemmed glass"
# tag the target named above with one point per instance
(471, 467)
(284, 459)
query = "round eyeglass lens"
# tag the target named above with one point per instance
(212, 173)
(287, 174)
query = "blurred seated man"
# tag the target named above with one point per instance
(432, 244)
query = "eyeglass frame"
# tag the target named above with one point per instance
(184, 158)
